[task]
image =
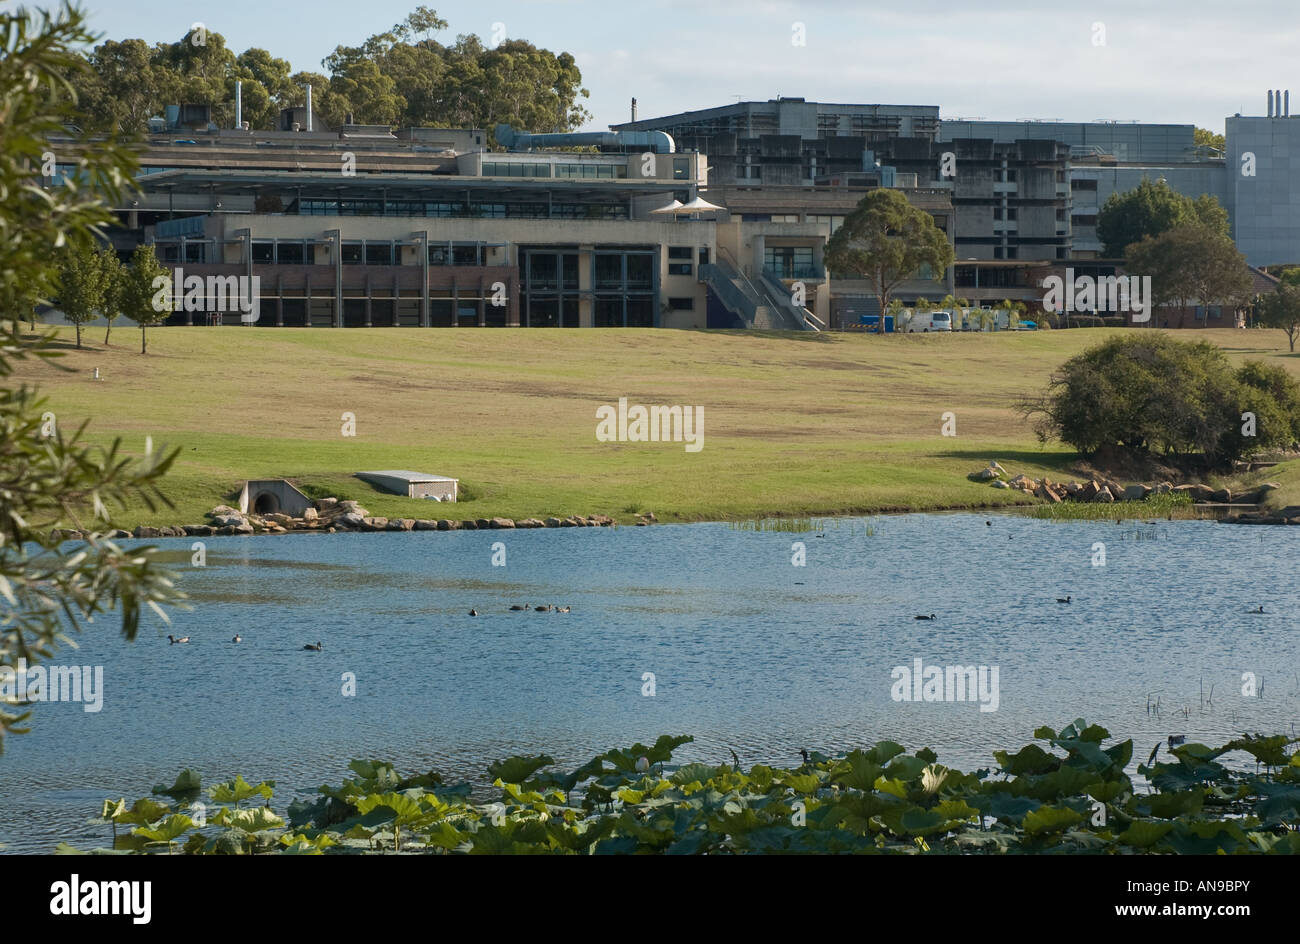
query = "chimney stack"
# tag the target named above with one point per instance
(1286, 104)
(239, 104)
(634, 109)
(308, 106)
(1270, 103)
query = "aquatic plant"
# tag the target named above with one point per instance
(1072, 796)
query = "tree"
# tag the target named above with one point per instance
(885, 241)
(1150, 209)
(1273, 398)
(81, 286)
(1144, 393)
(146, 291)
(111, 275)
(51, 479)
(1281, 309)
(1206, 138)
(1190, 263)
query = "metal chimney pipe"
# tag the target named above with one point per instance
(634, 109)
(239, 104)
(1286, 104)
(1270, 103)
(308, 106)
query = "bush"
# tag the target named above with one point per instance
(1147, 393)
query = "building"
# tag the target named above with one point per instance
(361, 226)
(789, 141)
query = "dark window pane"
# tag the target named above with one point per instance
(640, 271)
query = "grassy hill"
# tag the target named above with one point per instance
(793, 424)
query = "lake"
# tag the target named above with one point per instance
(748, 652)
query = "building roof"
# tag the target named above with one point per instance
(407, 476)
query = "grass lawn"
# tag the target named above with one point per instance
(794, 424)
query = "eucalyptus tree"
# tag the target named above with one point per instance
(886, 241)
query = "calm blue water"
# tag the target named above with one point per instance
(749, 653)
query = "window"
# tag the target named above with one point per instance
(263, 253)
(609, 270)
(704, 256)
(997, 213)
(352, 253)
(1011, 176)
(543, 271)
(789, 262)
(1011, 214)
(681, 304)
(379, 253)
(590, 171)
(640, 271)
(509, 169)
(679, 252)
(465, 255)
(1083, 184)
(681, 168)
(997, 252)
(680, 268)
(1084, 219)
(290, 253)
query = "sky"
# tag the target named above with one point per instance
(1172, 61)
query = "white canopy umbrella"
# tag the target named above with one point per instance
(669, 208)
(698, 205)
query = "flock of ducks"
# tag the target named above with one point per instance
(318, 646)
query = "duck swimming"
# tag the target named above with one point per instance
(173, 640)
(238, 638)
(517, 607)
(316, 648)
(473, 612)
(544, 609)
(561, 609)
(1066, 600)
(930, 617)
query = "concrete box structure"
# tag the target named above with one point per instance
(413, 484)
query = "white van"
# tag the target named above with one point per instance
(933, 321)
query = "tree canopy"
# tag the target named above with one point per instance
(886, 241)
(402, 77)
(1191, 264)
(1145, 393)
(1152, 208)
(1281, 309)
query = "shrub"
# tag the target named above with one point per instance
(1147, 393)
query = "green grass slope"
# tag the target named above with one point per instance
(793, 424)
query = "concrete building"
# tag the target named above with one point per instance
(1263, 183)
(790, 141)
(364, 227)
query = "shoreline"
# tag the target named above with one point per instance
(254, 525)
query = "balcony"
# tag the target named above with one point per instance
(791, 271)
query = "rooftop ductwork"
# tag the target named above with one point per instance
(630, 141)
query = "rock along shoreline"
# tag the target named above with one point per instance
(331, 516)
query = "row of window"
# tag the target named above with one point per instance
(444, 209)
